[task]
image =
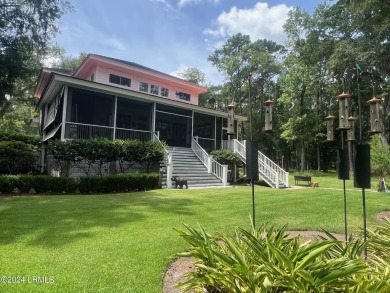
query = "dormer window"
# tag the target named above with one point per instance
(120, 80)
(143, 87)
(164, 92)
(154, 89)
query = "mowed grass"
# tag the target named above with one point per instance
(124, 242)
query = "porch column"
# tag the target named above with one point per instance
(45, 118)
(114, 122)
(225, 175)
(153, 118)
(64, 110)
(169, 170)
(210, 164)
(215, 132)
(192, 124)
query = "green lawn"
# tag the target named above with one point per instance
(123, 242)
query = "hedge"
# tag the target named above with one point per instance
(90, 184)
(16, 136)
(83, 153)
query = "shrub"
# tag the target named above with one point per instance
(41, 183)
(118, 183)
(87, 184)
(16, 136)
(227, 157)
(17, 157)
(150, 154)
(126, 154)
(64, 154)
(266, 260)
(88, 153)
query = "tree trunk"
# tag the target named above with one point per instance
(303, 163)
(318, 157)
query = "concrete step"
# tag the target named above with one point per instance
(190, 186)
(203, 180)
(187, 164)
(192, 175)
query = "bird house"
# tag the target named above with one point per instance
(351, 130)
(230, 125)
(343, 110)
(329, 128)
(375, 121)
(268, 115)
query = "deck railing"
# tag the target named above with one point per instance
(207, 143)
(75, 130)
(84, 131)
(212, 166)
(122, 133)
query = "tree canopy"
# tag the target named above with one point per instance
(26, 28)
(341, 47)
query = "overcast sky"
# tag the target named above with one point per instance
(170, 35)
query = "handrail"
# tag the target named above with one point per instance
(167, 159)
(208, 143)
(212, 165)
(93, 125)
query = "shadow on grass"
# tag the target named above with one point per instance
(52, 221)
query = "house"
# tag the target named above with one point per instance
(116, 99)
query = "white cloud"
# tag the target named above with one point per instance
(165, 3)
(114, 43)
(183, 3)
(260, 22)
(179, 70)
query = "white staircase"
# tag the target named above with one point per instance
(269, 171)
(185, 163)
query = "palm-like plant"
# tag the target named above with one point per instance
(268, 260)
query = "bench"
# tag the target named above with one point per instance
(302, 178)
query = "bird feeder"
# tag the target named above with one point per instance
(268, 115)
(343, 110)
(230, 126)
(351, 130)
(329, 128)
(375, 121)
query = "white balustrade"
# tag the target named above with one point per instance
(269, 170)
(212, 166)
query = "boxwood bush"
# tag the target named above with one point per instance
(88, 184)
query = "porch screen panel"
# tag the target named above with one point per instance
(133, 115)
(174, 125)
(204, 128)
(92, 108)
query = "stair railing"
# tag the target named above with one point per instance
(212, 165)
(167, 159)
(273, 174)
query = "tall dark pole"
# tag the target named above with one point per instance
(345, 193)
(360, 142)
(250, 106)
(251, 139)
